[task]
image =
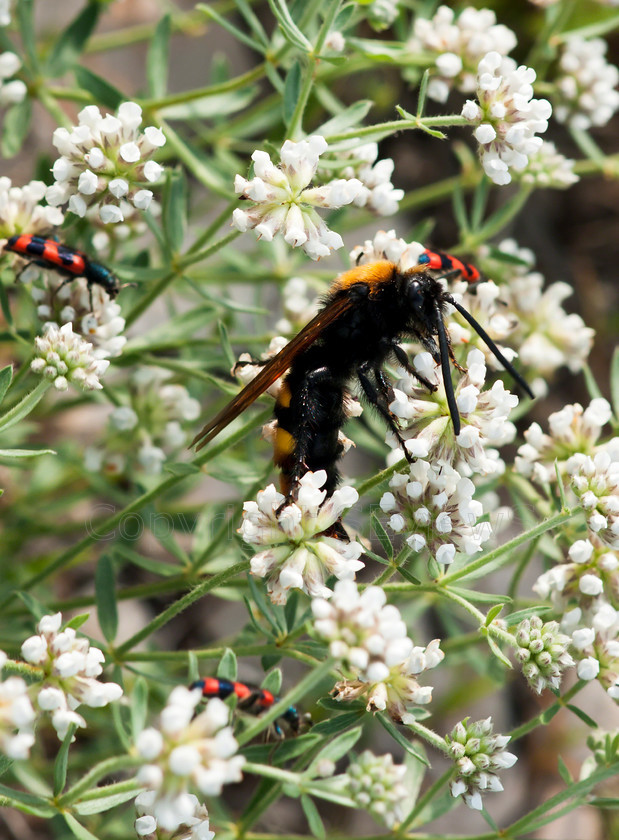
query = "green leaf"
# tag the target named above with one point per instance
(60, 765)
(25, 18)
(6, 306)
(225, 344)
(231, 28)
(496, 650)
(77, 621)
(346, 119)
(517, 617)
(175, 210)
(291, 31)
(383, 537)
(34, 606)
(157, 60)
(564, 772)
(68, 47)
(24, 407)
(182, 468)
(227, 668)
(480, 597)
(339, 723)
(339, 746)
(16, 125)
(313, 817)
(492, 613)
(105, 596)
(25, 453)
(103, 803)
(397, 736)
(292, 89)
(100, 88)
(582, 715)
(273, 681)
(139, 706)
(77, 829)
(212, 107)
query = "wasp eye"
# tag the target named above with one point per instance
(414, 294)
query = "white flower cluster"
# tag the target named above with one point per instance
(105, 160)
(429, 431)
(70, 669)
(377, 193)
(187, 750)
(549, 168)
(63, 356)
(145, 433)
(545, 336)
(106, 238)
(434, 505)
(376, 785)
(61, 303)
(16, 713)
(21, 210)
(284, 201)
(507, 118)
(381, 13)
(542, 652)
(299, 554)
(584, 590)
(573, 433)
(146, 823)
(477, 755)
(387, 246)
(596, 485)
(370, 638)
(586, 90)
(459, 45)
(15, 91)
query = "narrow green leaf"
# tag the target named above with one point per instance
(337, 724)
(291, 31)
(105, 596)
(492, 613)
(15, 127)
(157, 60)
(24, 406)
(6, 377)
(237, 33)
(25, 453)
(103, 803)
(225, 344)
(77, 829)
(69, 46)
(182, 468)
(26, 800)
(383, 537)
(339, 746)
(395, 733)
(175, 210)
(76, 622)
(33, 605)
(290, 610)
(292, 89)
(227, 668)
(6, 306)
(496, 650)
(313, 817)
(564, 772)
(102, 91)
(139, 706)
(348, 118)
(60, 764)
(423, 90)
(481, 597)
(25, 18)
(592, 386)
(582, 715)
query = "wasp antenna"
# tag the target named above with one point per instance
(491, 345)
(446, 368)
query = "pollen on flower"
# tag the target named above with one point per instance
(298, 554)
(104, 160)
(285, 203)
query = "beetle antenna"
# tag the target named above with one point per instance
(443, 345)
(491, 345)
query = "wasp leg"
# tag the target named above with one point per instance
(378, 397)
(404, 362)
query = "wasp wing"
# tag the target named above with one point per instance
(274, 368)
